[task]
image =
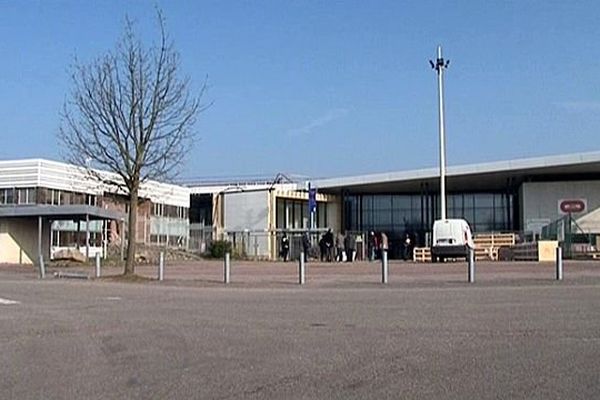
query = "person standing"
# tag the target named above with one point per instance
(284, 247)
(407, 247)
(339, 247)
(350, 245)
(372, 245)
(328, 237)
(322, 248)
(384, 244)
(305, 245)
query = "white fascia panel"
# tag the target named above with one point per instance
(62, 176)
(232, 188)
(19, 173)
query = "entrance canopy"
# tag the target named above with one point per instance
(66, 212)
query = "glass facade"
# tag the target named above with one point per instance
(294, 214)
(397, 214)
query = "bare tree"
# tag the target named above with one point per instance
(130, 113)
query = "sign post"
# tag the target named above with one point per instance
(312, 205)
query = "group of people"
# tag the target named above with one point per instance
(342, 247)
(339, 248)
(378, 242)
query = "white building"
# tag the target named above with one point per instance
(46, 206)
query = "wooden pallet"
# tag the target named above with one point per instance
(487, 245)
(486, 253)
(421, 254)
(525, 251)
(494, 239)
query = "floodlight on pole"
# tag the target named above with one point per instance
(440, 65)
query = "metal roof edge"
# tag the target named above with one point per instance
(466, 169)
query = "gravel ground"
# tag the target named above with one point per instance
(514, 334)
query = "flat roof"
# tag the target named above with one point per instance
(66, 212)
(492, 175)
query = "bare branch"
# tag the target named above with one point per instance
(130, 112)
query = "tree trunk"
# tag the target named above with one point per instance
(132, 232)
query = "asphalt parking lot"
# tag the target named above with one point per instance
(514, 334)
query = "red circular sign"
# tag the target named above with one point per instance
(572, 206)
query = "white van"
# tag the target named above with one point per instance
(452, 238)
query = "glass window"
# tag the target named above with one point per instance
(402, 201)
(484, 200)
(280, 216)
(297, 219)
(382, 202)
(322, 215)
(9, 196)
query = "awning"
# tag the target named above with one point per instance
(65, 212)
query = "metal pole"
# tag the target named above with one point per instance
(87, 237)
(559, 264)
(301, 269)
(439, 65)
(122, 240)
(97, 264)
(227, 269)
(161, 266)
(471, 277)
(42, 268)
(40, 254)
(384, 266)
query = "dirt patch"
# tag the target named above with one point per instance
(127, 278)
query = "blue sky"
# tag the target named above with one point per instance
(329, 88)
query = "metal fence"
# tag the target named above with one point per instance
(201, 236)
(267, 245)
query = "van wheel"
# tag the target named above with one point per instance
(433, 259)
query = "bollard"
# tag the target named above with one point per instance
(471, 272)
(161, 266)
(384, 266)
(227, 268)
(42, 268)
(97, 265)
(301, 269)
(559, 264)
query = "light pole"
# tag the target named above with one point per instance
(440, 65)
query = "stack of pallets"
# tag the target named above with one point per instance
(488, 244)
(421, 254)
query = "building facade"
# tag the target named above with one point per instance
(47, 206)
(522, 196)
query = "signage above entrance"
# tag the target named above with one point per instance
(572, 206)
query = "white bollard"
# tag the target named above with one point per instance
(384, 266)
(161, 266)
(559, 264)
(471, 271)
(227, 269)
(301, 269)
(97, 265)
